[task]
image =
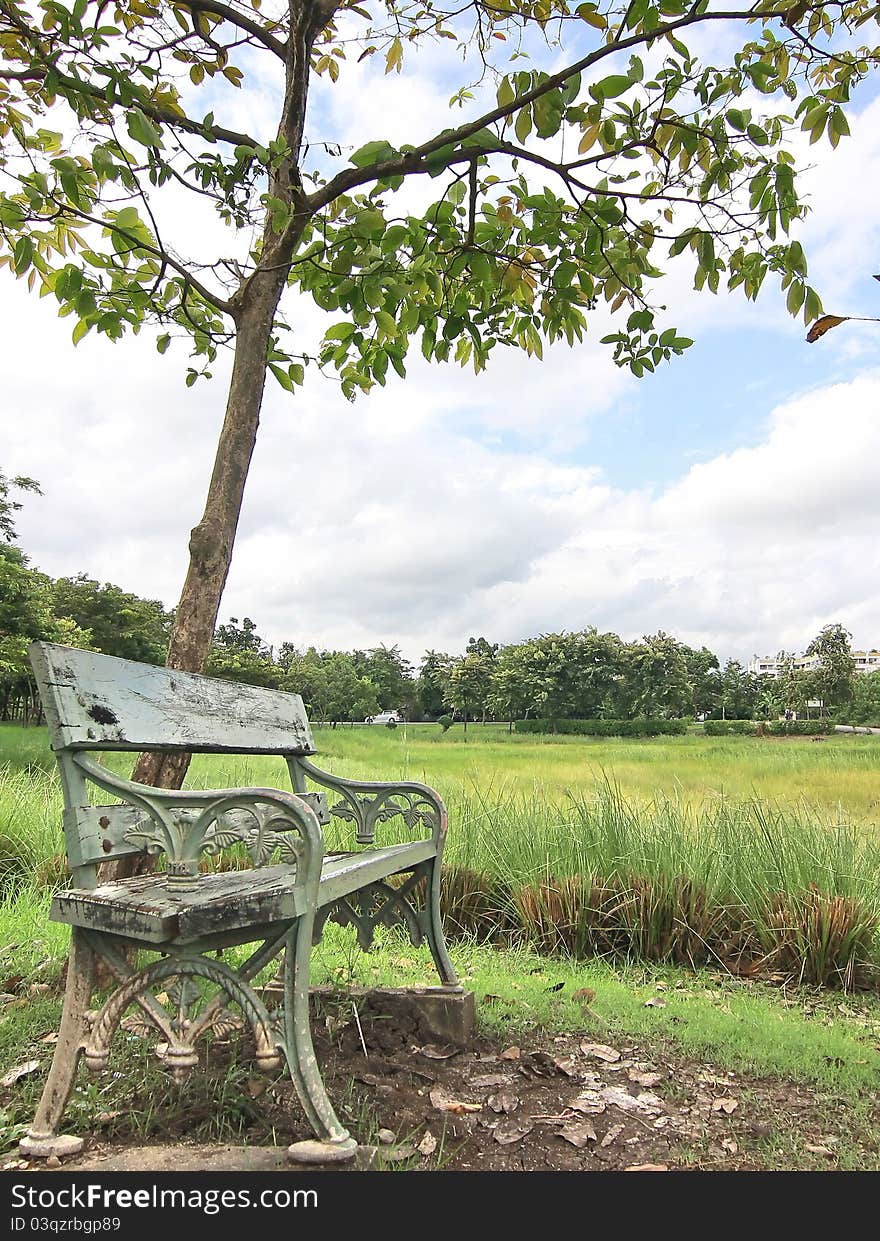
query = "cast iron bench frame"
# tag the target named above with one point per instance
(97, 703)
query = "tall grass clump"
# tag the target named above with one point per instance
(31, 839)
(750, 883)
(747, 885)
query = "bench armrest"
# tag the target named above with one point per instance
(185, 823)
(368, 802)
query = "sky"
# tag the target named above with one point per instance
(731, 499)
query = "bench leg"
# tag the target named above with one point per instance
(334, 1143)
(434, 928)
(43, 1139)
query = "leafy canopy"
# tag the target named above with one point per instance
(563, 189)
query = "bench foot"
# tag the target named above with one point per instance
(312, 1151)
(45, 1145)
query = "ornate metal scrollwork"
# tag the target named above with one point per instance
(186, 824)
(365, 812)
(378, 904)
(219, 827)
(190, 1017)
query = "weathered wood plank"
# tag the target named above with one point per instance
(345, 873)
(99, 702)
(146, 907)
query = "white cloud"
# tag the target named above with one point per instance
(392, 520)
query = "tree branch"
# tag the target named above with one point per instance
(411, 162)
(236, 19)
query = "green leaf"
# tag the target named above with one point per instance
(386, 323)
(506, 94)
(547, 111)
(142, 129)
(590, 14)
(610, 87)
(163, 342)
(282, 376)
(372, 153)
(340, 331)
(80, 330)
(523, 125)
(22, 255)
(795, 299)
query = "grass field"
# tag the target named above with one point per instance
(757, 852)
(682, 832)
(838, 776)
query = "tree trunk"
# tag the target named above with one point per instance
(211, 541)
(255, 306)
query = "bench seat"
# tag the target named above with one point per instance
(148, 908)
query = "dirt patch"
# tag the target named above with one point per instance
(572, 1103)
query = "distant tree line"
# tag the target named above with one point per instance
(582, 675)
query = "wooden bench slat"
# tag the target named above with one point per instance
(99, 702)
(147, 908)
(345, 873)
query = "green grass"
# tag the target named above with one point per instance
(594, 867)
(708, 1018)
(742, 820)
(837, 776)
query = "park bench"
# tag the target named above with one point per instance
(161, 936)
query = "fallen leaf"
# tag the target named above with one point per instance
(428, 1144)
(618, 1096)
(724, 1105)
(613, 1133)
(104, 1118)
(557, 986)
(256, 1086)
(589, 1104)
(599, 1051)
(434, 1051)
(820, 1150)
(510, 1053)
(38, 988)
(387, 1137)
(20, 1071)
(644, 1079)
(732, 1146)
(511, 1129)
(647, 1167)
(51, 1037)
(398, 1154)
(655, 1002)
(443, 1103)
(505, 1101)
(578, 1133)
(491, 1079)
(585, 996)
(542, 1064)
(489, 998)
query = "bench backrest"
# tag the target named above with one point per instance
(99, 702)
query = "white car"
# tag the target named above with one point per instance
(386, 717)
